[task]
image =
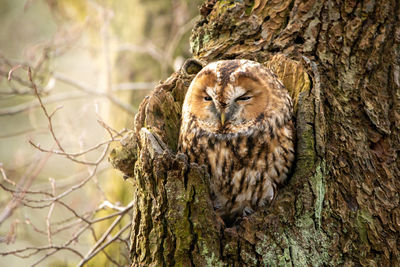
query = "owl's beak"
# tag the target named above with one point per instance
(222, 118)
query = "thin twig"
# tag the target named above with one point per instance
(84, 88)
(77, 154)
(50, 121)
(9, 77)
(77, 186)
(3, 173)
(134, 86)
(36, 250)
(106, 234)
(147, 48)
(14, 134)
(101, 248)
(24, 183)
(13, 110)
(52, 182)
(82, 230)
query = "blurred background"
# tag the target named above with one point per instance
(91, 63)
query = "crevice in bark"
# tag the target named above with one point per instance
(164, 225)
(192, 232)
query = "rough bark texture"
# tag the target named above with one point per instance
(341, 62)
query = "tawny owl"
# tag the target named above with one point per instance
(237, 120)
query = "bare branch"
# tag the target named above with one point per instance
(14, 134)
(108, 128)
(35, 250)
(12, 233)
(24, 183)
(51, 124)
(13, 110)
(11, 72)
(77, 154)
(37, 230)
(50, 212)
(108, 204)
(147, 48)
(125, 210)
(101, 248)
(83, 229)
(3, 173)
(17, 192)
(84, 88)
(134, 86)
(94, 250)
(54, 111)
(74, 187)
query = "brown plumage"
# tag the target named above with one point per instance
(237, 120)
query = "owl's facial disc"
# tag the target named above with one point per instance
(226, 96)
(226, 105)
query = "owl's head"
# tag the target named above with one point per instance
(229, 96)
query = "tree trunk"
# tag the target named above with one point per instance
(341, 63)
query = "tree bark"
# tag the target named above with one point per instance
(341, 62)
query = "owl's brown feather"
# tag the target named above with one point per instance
(237, 120)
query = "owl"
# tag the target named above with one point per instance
(237, 120)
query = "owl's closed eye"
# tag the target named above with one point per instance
(237, 120)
